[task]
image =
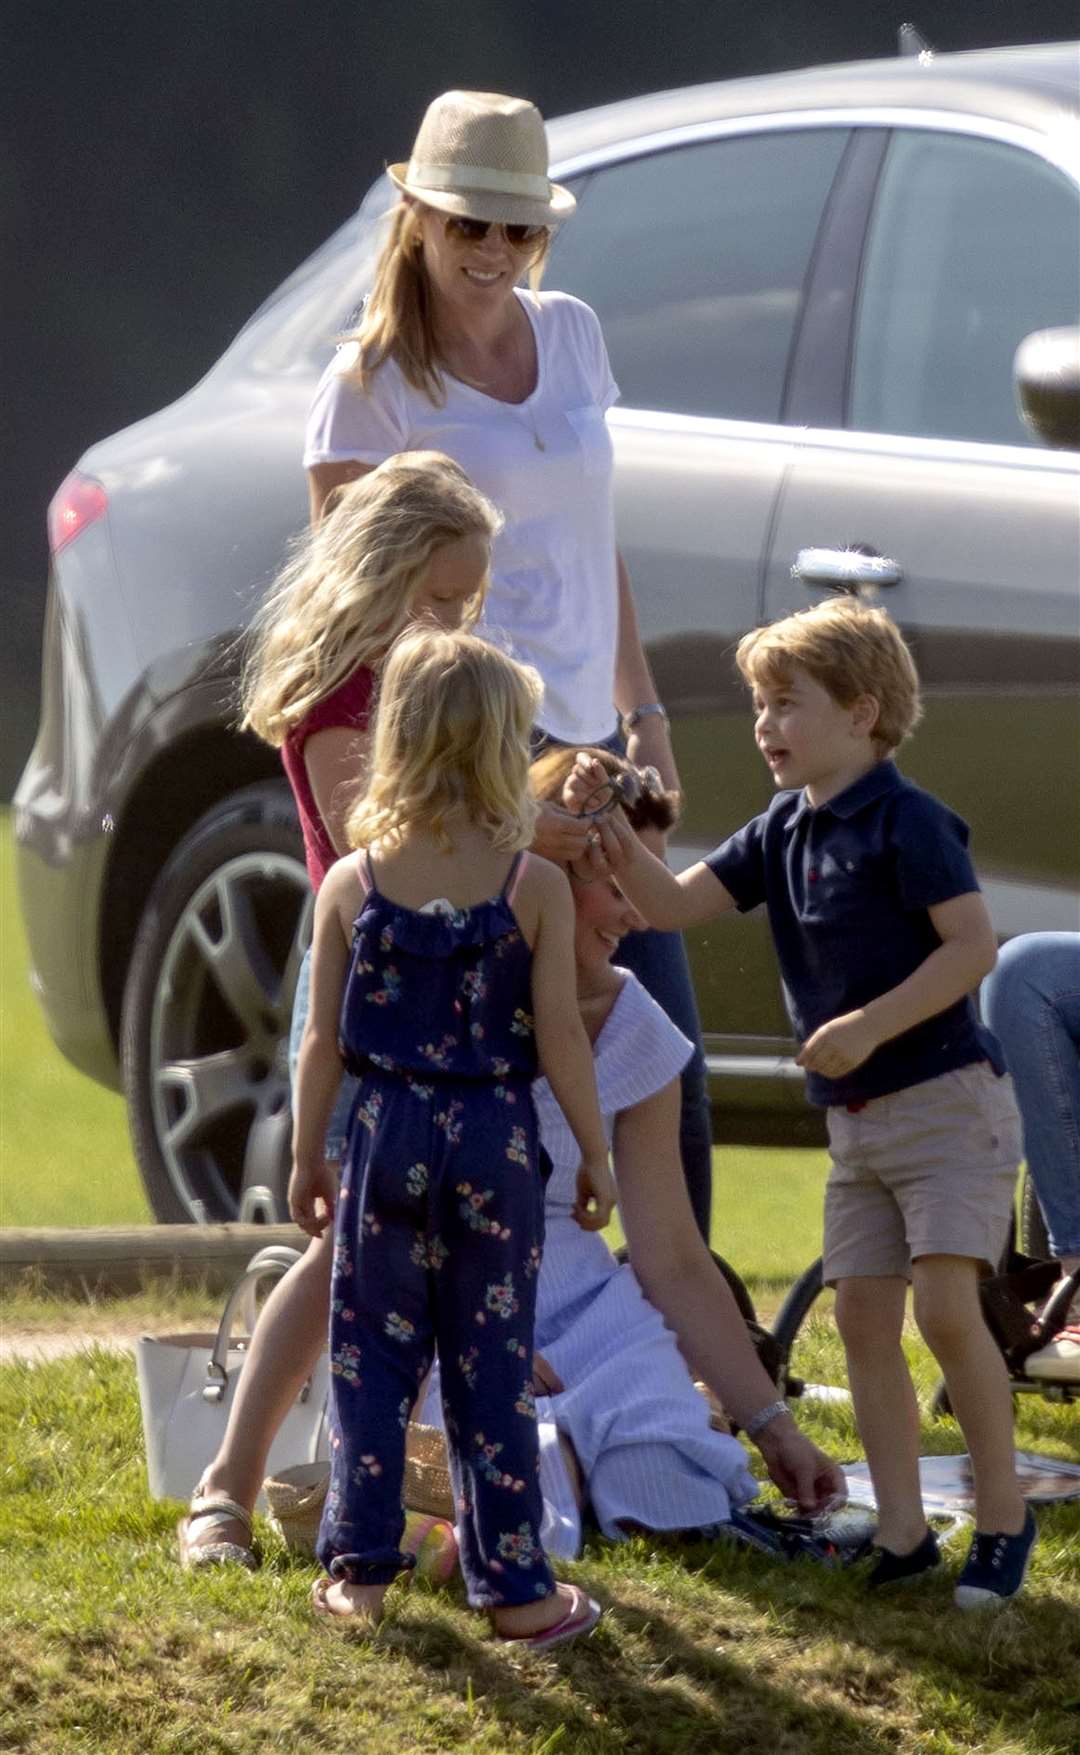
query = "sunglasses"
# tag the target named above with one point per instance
(473, 231)
(628, 787)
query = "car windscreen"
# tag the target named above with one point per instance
(296, 328)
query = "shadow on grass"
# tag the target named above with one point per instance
(998, 1670)
(766, 1657)
(667, 1695)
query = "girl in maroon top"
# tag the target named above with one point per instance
(409, 541)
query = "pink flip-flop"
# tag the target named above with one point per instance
(580, 1618)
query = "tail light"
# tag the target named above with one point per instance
(78, 502)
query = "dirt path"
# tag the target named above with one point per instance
(36, 1346)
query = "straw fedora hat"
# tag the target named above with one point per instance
(484, 156)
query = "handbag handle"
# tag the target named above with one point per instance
(266, 1257)
(271, 1263)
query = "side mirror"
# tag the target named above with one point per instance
(1046, 374)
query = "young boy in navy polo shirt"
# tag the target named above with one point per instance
(882, 937)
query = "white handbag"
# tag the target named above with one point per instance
(187, 1382)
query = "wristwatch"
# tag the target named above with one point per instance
(647, 710)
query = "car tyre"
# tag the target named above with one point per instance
(207, 1009)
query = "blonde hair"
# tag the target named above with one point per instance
(451, 740)
(850, 649)
(347, 591)
(398, 322)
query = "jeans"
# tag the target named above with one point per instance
(659, 961)
(1032, 1004)
(338, 1126)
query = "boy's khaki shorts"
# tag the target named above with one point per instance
(926, 1171)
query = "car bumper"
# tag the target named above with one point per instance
(59, 901)
(61, 846)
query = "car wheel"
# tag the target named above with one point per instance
(206, 1015)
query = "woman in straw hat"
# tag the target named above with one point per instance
(454, 354)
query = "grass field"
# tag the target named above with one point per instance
(65, 1156)
(107, 1647)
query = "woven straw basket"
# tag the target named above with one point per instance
(295, 1496)
(427, 1473)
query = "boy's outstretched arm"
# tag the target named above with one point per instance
(668, 903)
(562, 1044)
(967, 952)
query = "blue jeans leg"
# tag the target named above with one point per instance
(659, 961)
(1032, 1004)
(337, 1127)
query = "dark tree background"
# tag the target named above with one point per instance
(167, 164)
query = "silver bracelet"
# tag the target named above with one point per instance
(647, 710)
(758, 1422)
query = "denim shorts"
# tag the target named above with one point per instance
(338, 1127)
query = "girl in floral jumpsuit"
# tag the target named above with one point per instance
(443, 972)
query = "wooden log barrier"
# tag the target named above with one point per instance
(109, 1261)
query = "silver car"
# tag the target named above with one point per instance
(813, 286)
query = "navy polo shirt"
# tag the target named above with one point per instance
(848, 886)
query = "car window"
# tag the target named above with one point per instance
(695, 260)
(972, 245)
(296, 329)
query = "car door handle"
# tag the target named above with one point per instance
(844, 569)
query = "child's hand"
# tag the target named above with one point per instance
(595, 1194)
(839, 1046)
(586, 782)
(618, 842)
(312, 1194)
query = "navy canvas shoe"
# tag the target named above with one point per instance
(995, 1568)
(891, 1568)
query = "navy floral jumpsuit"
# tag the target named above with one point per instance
(438, 1238)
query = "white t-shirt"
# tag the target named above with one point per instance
(553, 597)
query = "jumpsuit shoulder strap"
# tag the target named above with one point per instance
(513, 877)
(365, 875)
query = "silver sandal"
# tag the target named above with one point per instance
(219, 1510)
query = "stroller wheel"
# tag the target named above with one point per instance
(792, 1324)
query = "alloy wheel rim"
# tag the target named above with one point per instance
(219, 1031)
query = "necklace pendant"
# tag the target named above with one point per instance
(538, 442)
